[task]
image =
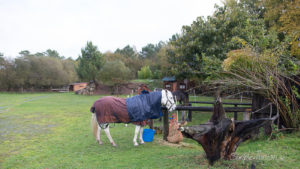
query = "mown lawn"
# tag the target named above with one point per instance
(52, 130)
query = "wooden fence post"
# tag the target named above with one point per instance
(151, 124)
(235, 113)
(246, 115)
(190, 113)
(166, 124)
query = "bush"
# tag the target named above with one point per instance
(114, 73)
(145, 73)
(248, 59)
(261, 74)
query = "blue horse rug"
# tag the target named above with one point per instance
(138, 108)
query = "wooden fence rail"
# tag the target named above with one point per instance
(191, 108)
(227, 103)
(210, 109)
(235, 111)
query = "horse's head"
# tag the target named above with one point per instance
(167, 99)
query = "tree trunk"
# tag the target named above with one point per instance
(262, 110)
(221, 136)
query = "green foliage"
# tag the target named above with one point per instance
(231, 27)
(164, 66)
(276, 134)
(114, 72)
(283, 16)
(157, 74)
(53, 53)
(7, 74)
(90, 63)
(250, 60)
(127, 52)
(152, 55)
(151, 50)
(24, 53)
(36, 71)
(145, 73)
(129, 56)
(211, 67)
(261, 74)
(237, 25)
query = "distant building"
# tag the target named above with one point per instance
(77, 86)
(170, 83)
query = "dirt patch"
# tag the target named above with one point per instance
(28, 127)
(29, 99)
(3, 108)
(181, 144)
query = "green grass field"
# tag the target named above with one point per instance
(52, 130)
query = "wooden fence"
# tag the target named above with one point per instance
(235, 109)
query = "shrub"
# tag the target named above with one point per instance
(145, 73)
(261, 74)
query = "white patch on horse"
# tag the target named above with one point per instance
(109, 136)
(136, 132)
(141, 135)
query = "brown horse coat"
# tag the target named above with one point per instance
(111, 109)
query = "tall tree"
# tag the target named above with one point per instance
(114, 73)
(150, 50)
(90, 63)
(53, 53)
(129, 56)
(7, 74)
(24, 53)
(201, 47)
(127, 51)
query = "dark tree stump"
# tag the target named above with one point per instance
(258, 104)
(221, 136)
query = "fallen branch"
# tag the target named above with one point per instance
(220, 137)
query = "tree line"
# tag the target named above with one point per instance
(237, 32)
(39, 71)
(46, 70)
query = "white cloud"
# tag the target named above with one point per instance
(66, 25)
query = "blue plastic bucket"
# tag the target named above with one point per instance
(148, 135)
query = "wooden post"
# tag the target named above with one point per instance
(235, 113)
(151, 124)
(246, 115)
(187, 100)
(166, 124)
(190, 115)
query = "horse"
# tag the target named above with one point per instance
(110, 109)
(181, 96)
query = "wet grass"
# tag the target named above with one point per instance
(52, 130)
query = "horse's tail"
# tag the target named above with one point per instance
(94, 124)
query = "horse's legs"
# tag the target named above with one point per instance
(109, 136)
(141, 135)
(98, 135)
(136, 132)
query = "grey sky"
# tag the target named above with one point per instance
(66, 25)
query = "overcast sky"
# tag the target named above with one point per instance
(66, 25)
